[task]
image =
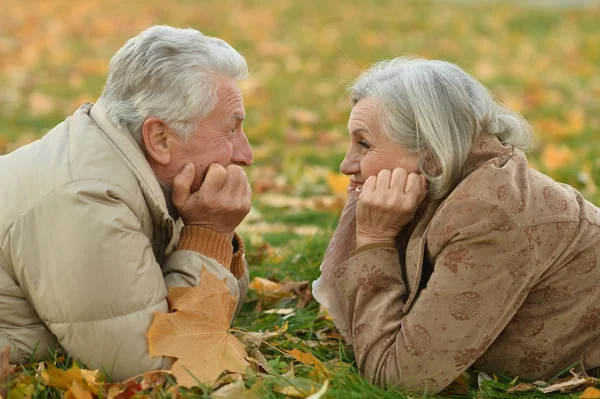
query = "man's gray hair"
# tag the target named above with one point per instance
(437, 110)
(170, 74)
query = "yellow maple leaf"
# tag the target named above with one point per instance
(590, 393)
(64, 379)
(198, 333)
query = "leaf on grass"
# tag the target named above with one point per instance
(568, 384)
(297, 387)
(64, 379)
(76, 391)
(320, 392)
(521, 387)
(269, 292)
(309, 358)
(338, 183)
(590, 393)
(256, 339)
(6, 369)
(197, 333)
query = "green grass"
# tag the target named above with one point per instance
(543, 62)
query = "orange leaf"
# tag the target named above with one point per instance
(197, 333)
(590, 393)
(309, 358)
(338, 183)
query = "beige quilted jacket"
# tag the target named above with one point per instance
(88, 248)
(502, 274)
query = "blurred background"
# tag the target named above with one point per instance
(540, 57)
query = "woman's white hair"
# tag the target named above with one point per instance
(170, 74)
(436, 109)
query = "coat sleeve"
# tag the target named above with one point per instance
(478, 278)
(89, 271)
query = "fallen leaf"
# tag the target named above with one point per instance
(320, 392)
(568, 384)
(5, 370)
(197, 333)
(269, 292)
(235, 390)
(76, 391)
(555, 157)
(64, 379)
(256, 339)
(283, 311)
(590, 393)
(338, 183)
(521, 387)
(309, 358)
(297, 387)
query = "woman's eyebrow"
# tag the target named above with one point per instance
(358, 130)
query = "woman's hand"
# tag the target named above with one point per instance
(386, 204)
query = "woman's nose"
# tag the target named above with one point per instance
(350, 165)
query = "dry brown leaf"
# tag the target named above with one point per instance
(309, 358)
(198, 333)
(521, 387)
(235, 390)
(269, 292)
(256, 339)
(590, 393)
(568, 384)
(5, 370)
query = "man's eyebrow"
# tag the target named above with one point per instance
(238, 116)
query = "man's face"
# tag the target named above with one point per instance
(219, 137)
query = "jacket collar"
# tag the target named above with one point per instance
(485, 149)
(132, 154)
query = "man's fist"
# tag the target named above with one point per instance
(221, 203)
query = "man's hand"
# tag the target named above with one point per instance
(386, 204)
(221, 203)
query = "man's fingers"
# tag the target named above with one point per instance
(215, 178)
(182, 185)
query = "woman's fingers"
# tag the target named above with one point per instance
(383, 179)
(398, 181)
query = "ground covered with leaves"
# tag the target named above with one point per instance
(541, 61)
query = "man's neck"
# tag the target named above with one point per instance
(168, 192)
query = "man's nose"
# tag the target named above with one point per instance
(350, 165)
(242, 153)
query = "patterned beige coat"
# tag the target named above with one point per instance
(502, 274)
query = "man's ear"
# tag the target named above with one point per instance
(157, 140)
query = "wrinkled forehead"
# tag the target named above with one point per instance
(365, 115)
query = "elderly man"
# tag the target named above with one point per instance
(129, 196)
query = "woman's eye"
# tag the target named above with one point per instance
(364, 144)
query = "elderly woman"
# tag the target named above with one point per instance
(450, 252)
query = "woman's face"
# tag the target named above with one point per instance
(370, 150)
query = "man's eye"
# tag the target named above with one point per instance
(364, 144)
